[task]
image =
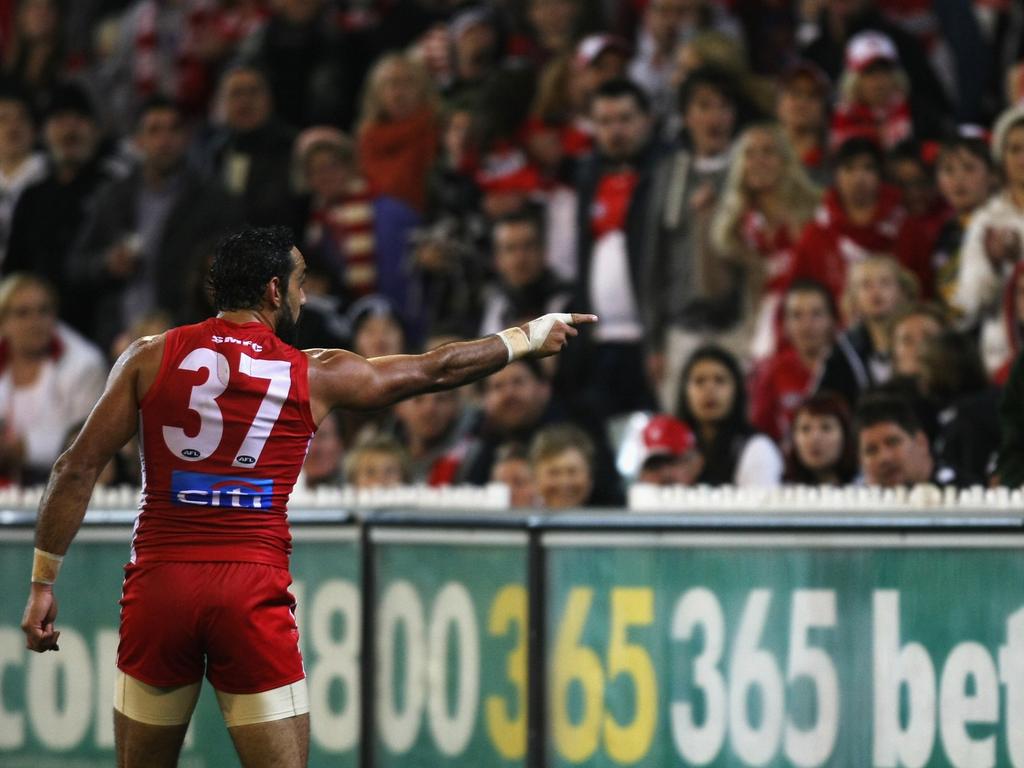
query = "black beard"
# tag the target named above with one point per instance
(286, 329)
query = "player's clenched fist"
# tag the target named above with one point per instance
(544, 336)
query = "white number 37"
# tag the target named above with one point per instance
(203, 401)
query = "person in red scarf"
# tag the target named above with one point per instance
(766, 202)
(782, 382)
(859, 216)
(399, 130)
(873, 91)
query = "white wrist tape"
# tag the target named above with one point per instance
(45, 566)
(520, 343)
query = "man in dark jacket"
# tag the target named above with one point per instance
(613, 187)
(251, 152)
(50, 213)
(141, 249)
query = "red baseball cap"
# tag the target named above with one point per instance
(666, 435)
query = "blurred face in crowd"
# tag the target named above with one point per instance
(328, 174)
(517, 475)
(662, 19)
(763, 162)
(396, 87)
(160, 138)
(620, 126)
(15, 131)
(801, 108)
(554, 20)
(878, 85)
(514, 398)
(456, 136)
(910, 336)
(709, 117)
(876, 290)
(376, 469)
(964, 180)
(323, 461)
(246, 100)
(518, 253)
(1013, 156)
(808, 323)
(671, 469)
(818, 441)
(37, 20)
(378, 335)
(71, 138)
(858, 182)
(913, 180)
(428, 417)
(564, 480)
(297, 11)
(474, 51)
(710, 391)
(891, 457)
(915, 183)
(30, 321)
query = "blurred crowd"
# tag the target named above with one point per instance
(801, 223)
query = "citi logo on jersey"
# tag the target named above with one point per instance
(202, 490)
(256, 347)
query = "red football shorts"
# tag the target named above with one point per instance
(236, 620)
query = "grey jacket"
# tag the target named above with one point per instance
(685, 283)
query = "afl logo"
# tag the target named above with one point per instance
(190, 453)
(245, 460)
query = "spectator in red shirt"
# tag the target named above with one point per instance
(858, 216)
(398, 129)
(873, 100)
(783, 380)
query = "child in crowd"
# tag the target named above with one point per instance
(562, 457)
(512, 468)
(377, 462)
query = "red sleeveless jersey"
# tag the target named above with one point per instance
(224, 430)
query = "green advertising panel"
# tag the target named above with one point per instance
(451, 635)
(56, 708)
(794, 650)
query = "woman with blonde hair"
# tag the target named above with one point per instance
(767, 200)
(398, 129)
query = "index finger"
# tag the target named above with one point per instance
(579, 318)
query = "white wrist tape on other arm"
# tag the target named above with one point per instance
(520, 343)
(45, 566)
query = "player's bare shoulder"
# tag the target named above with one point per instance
(141, 362)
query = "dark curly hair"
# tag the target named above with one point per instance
(245, 262)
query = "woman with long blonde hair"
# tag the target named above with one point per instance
(767, 200)
(398, 129)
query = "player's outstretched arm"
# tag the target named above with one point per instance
(110, 425)
(340, 379)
